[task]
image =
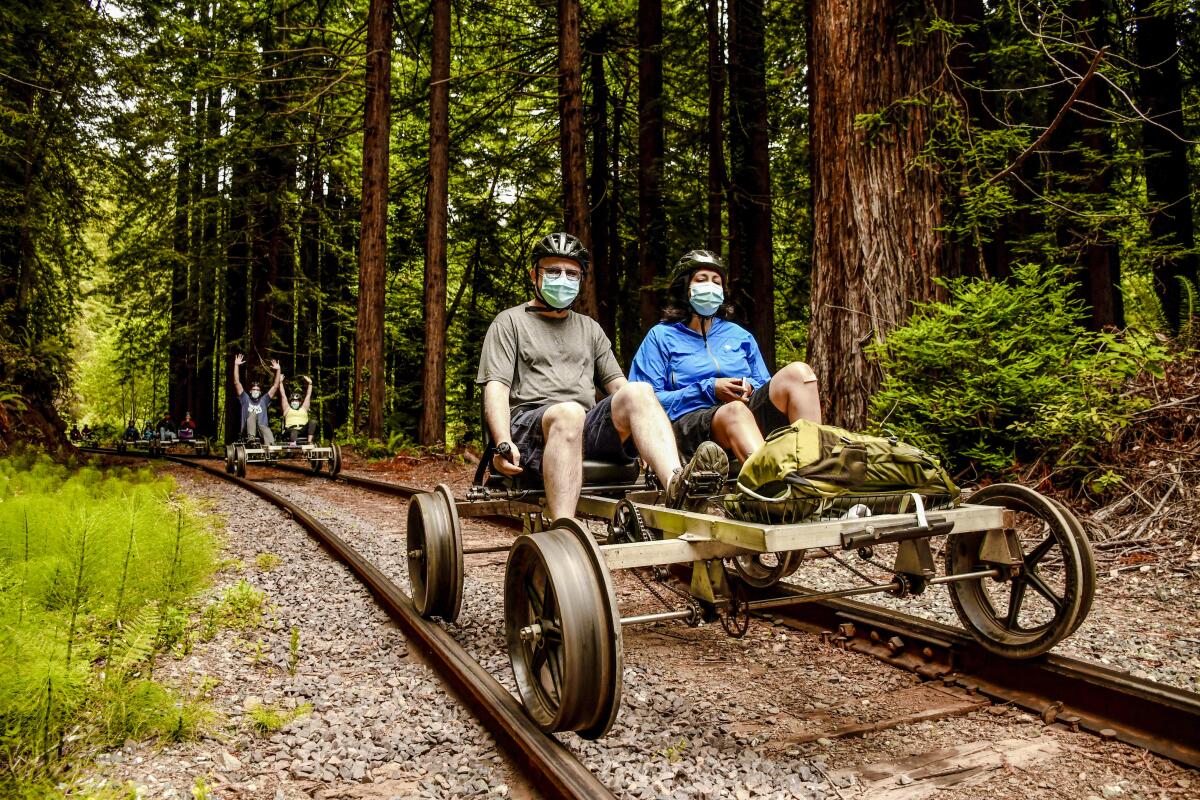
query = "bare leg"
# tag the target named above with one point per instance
(794, 392)
(562, 459)
(734, 428)
(636, 412)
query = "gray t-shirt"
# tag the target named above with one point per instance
(546, 360)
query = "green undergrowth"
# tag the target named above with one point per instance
(267, 719)
(98, 571)
(1004, 372)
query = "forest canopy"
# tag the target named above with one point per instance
(326, 183)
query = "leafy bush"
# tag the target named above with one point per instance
(1004, 371)
(95, 567)
(268, 719)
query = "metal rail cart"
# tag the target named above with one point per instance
(1018, 567)
(254, 451)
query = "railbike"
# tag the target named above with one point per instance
(1018, 566)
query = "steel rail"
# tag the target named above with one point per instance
(1111, 703)
(546, 762)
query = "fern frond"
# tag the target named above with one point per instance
(137, 645)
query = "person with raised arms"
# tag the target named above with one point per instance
(255, 422)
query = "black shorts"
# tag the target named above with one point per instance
(601, 441)
(695, 427)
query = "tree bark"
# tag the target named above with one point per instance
(372, 259)
(749, 138)
(602, 202)
(180, 388)
(433, 374)
(1164, 153)
(652, 224)
(237, 264)
(877, 246)
(208, 377)
(576, 216)
(1081, 155)
(717, 178)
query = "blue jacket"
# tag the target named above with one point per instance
(683, 368)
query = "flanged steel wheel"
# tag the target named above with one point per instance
(1044, 601)
(335, 462)
(563, 630)
(230, 459)
(239, 460)
(1087, 556)
(764, 570)
(435, 554)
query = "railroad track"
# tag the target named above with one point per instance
(548, 765)
(1075, 693)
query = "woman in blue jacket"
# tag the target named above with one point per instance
(708, 372)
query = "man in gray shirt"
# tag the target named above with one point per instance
(540, 366)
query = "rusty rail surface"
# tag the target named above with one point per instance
(545, 762)
(1076, 693)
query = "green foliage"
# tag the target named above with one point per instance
(94, 566)
(239, 608)
(293, 650)
(1003, 371)
(267, 719)
(267, 561)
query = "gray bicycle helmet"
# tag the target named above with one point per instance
(560, 245)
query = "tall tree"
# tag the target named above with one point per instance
(603, 203)
(749, 140)
(433, 373)
(372, 249)
(237, 262)
(717, 179)
(1081, 149)
(876, 215)
(652, 223)
(180, 389)
(1164, 149)
(576, 216)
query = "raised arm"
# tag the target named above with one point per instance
(283, 399)
(278, 378)
(238, 360)
(307, 392)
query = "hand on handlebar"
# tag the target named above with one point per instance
(507, 459)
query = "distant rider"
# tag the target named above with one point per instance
(295, 413)
(131, 432)
(167, 431)
(187, 428)
(75, 435)
(87, 432)
(254, 405)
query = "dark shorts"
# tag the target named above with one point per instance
(695, 427)
(601, 442)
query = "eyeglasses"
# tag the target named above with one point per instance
(557, 272)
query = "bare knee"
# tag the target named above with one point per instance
(731, 415)
(797, 372)
(637, 396)
(563, 420)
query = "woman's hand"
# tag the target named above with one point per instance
(731, 389)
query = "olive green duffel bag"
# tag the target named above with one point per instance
(808, 469)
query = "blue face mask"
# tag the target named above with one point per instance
(559, 291)
(706, 298)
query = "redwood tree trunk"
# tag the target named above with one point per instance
(237, 261)
(180, 389)
(1164, 150)
(876, 244)
(372, 251)
(750, 160)
(652, 225)
(433, 373)
(576, 216)
(717, 178)
(602, 201)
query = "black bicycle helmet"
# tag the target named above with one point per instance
(692, 262)
(560, 245)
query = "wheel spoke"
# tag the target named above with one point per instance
(555, 669)
(534, 597)
(1036, 555)
(1015, 600)
(1041, 587)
